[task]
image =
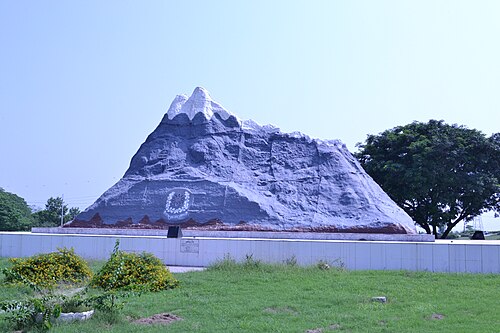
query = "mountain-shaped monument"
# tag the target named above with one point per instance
(203, 167)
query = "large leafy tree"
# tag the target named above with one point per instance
(439, 174)
(15, 214)
(51, 215)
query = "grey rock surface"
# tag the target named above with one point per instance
(202, 166)
(380, 299)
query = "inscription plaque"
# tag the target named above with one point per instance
(190, 246)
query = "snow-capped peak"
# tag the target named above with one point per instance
(200, 101)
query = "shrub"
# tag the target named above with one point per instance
(225, 264)
(250, 262)
(47, 270)
(36, 312)
(41, 311)
(292, 261)
(132, 271)
(107, 304)
(323, 265)
(337, 265)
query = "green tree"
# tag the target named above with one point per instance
(51, 215)
(439, 174)
(15, 214)
(72, 213)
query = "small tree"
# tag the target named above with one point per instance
(439, 174)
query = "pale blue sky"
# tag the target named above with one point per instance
(82, 83)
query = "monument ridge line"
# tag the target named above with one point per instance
(203, 167)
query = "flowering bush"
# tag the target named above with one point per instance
(47, 270)
(132, 271)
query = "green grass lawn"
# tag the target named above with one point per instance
(495, 235)
(261, 298)
(491, 235)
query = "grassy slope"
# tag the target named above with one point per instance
(289, 299)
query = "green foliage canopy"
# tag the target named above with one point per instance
(439, 174)
(15, 214)
(51, 215)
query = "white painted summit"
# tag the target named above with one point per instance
(199, 102)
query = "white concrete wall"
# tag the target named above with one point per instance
(440, 256)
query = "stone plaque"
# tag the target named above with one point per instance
(190, 246)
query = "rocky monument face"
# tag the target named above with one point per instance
(204, 167)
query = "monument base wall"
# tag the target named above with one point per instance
(243, 234)
(440, 256)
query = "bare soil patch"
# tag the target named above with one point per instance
(160, 318)
(437, 316)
